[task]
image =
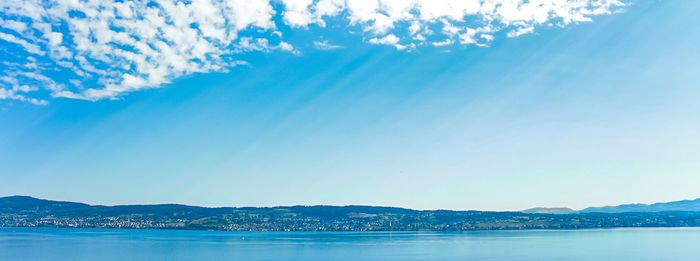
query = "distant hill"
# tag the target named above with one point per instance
(683, 205)
(25, 201)
(24, 211)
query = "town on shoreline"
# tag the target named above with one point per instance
(23, 211)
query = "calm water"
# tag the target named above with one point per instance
(104, 244)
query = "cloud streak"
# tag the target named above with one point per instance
(104, 49)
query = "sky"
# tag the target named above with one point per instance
(488, 105)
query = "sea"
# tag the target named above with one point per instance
(129, 244)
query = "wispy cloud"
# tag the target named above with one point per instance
(106, 48)
(324, 45)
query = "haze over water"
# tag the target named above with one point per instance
(108, 244)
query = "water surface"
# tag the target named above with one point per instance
(114, 244)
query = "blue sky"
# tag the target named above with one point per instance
(334, 111)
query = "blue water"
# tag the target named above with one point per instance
(110, 244)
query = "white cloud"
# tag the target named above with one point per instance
(10, 94)
(134, 45)
(29, 47)
(117, 47)
(465, 21)
(297, 14)
(389, 39)
(443, 42)
(16, 26)
(521, 31)
(15, 90)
